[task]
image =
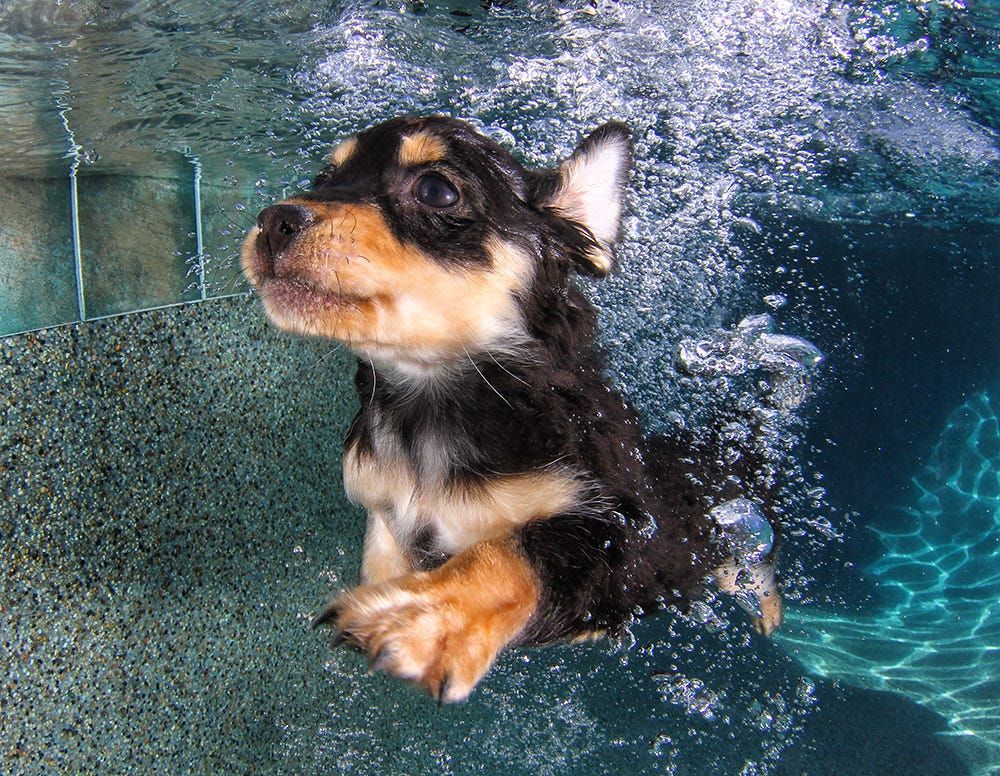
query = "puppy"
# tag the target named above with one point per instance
(512, 498)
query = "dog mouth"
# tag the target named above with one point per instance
(295, 294)
(293, 287)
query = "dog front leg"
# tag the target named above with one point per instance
(382, 558)
(441, 629)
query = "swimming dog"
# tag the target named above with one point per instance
(511, 495)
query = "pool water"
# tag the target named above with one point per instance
(171, 512)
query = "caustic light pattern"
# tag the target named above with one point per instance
(937, 641)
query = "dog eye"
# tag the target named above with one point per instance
(434, 191)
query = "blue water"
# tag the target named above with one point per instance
(836, 166)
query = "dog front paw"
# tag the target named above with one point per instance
(440, 629)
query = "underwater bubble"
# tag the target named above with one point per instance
(790, 389)
(747, 532)
(756, 324)
(780, 351)
(691, 695)
(753, 345)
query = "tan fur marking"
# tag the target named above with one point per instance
(462, 515)
(583, 638)
(382, 558)
(349, 278)
(422, 148)
(343, 152)
(444, 628)
(378, 485)
(758, 579)
(459, 515)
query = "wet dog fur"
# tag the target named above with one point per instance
(512, 497)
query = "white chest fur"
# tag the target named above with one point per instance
(457, 514)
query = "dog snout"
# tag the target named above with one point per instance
(279, 225)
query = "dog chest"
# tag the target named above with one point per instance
(457, 513)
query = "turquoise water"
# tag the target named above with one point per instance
(934, 636)
(835, 166)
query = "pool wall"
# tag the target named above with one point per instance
(77, 247)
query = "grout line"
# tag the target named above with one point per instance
(198, 229)
(74, 207)
(74, 204)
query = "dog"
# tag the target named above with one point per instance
(512, 498)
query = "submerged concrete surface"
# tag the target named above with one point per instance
(935, 638)
(171, 515)
(163, 508)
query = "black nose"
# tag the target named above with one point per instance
(279, 224)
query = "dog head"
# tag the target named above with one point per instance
(422, 241)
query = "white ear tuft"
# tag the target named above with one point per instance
(591, 189)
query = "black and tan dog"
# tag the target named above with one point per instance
(512, 498)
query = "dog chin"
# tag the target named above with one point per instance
(305, 309)
(300, 308)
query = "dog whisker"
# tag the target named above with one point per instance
(493, 358)
(485, 380)
(371, 400)
(326, 356)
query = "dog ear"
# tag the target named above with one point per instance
(589, 189)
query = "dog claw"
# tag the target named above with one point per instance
(378, 661)
(442, 691)
(328, 614)
(349, 641)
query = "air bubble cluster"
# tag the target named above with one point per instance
(751, 345)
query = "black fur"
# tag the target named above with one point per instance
(498, 194)
(648, 541)
(643, 539)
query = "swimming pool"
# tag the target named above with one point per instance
(171, 510)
